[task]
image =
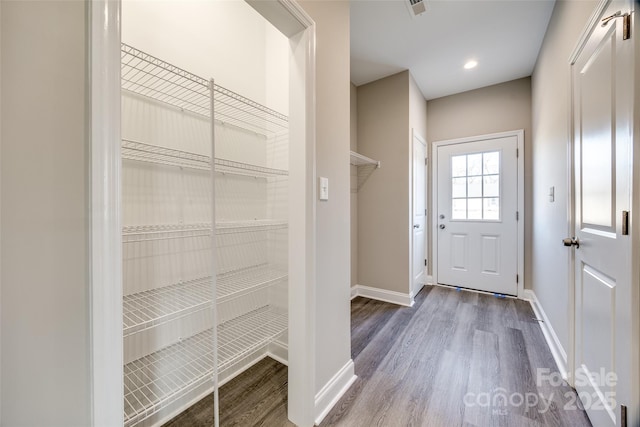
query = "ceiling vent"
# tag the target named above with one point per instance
(417, 7)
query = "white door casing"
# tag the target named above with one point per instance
(106, 257)
(602, 114)
(478, 213)
(418, 213)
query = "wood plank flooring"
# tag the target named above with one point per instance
(456, 358)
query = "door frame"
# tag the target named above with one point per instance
(103, 19)
(519, 134)
(413, 291)
(591, 25)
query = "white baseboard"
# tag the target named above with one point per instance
(333, 390)
(429, 280)
(557, 351)
(382, 295)
(279, 351)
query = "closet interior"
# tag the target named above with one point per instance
(205, 235)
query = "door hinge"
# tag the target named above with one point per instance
(625, 223)
(426, 161)
(517, 153)
(517, 215)
(626, 23)
(623, 416)
(517, 278)
(425, 262)
(425, 212)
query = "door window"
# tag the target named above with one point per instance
(475, 186)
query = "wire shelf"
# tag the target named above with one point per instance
(232, 108)
(357, 159)
(149, 76)
(154, 307)
(142, 152)
(250, 226)
(243, 335)
(154, 78)
(238, 283)
(229, 166)
(159, 379)
(146, 233)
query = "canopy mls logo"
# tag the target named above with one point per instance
(500, 401)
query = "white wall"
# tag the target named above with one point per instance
(44, 246)
(333, 313)
(227, 40)
(498, 108)
(0, 215)
(550, 124)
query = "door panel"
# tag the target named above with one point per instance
(418, 213)
(602, 146)
(477, 201)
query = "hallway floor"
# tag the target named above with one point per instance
(454, 359)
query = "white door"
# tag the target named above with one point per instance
(419, 213)
(601, 76)
(477, 224)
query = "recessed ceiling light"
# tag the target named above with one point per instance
(470, 64)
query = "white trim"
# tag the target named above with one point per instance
(430, 281)
(557, 350)
(382, 295)
(279, 352)
(587, 30)
(105, 281)
(519, 134)
(415, 289)
(333, 390)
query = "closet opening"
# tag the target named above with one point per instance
(214, 164)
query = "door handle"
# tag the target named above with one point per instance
(441, 226)
(571, 241)
(416, 225)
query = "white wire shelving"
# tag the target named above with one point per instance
(143, 152)
(151, 308)
(144, 310)
(144, 233)
(151, 77)
(357, 159)
(365, 166)
(155, 381)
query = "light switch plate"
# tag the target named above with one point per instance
(323, 184)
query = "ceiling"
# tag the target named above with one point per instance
(503, 36)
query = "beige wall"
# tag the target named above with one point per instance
(354, 186)
(333, 312)
(45, 316)
(550, 123)
(383, 200)
(497, 108)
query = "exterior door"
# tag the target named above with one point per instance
(419, 213)
(602, 113)
(477, 218)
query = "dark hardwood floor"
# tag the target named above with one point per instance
(456, 358)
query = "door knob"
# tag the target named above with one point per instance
(416, 225)
(571, 241)
(441, 216)
(441, 226)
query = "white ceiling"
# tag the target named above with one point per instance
(504, 36)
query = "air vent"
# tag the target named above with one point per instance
(417, 7)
